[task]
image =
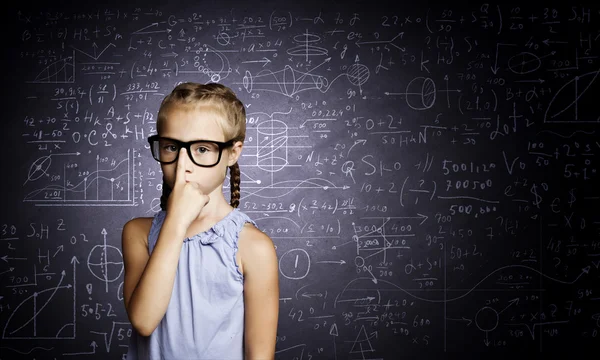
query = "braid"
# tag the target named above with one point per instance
(166, 191)
(234, 180)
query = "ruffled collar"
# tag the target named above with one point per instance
(215, 232)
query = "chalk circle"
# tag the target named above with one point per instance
(247, 81)
(307, 38)
(321, 83)
(306, 50)
(272, 127)
(357, 74)
(101, 267)
(297, 264)
(420, 93)
(223, 38)
(289, 81)
(487, 319)
(155, 205)
(359, 261)
(524, 63)
(272, 164)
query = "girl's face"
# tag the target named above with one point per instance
(187, 123)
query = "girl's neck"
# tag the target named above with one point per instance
(216, 209)
(212, 213)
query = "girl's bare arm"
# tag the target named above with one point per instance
(149, 279)
(261, 293)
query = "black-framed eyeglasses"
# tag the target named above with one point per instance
(204, 153)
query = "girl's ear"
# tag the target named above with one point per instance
(234, 152)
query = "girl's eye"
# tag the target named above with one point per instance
(202, 150)
(170, 148)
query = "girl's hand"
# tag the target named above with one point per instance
(186, 199)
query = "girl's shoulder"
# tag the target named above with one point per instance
(256, 250)
(248, 228)
(252, 240)
(138, 229)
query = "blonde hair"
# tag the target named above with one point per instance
(225, 102)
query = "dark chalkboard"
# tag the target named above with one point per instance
(428, 173)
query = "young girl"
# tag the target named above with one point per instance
(201, 281)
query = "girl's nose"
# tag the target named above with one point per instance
(186, 162)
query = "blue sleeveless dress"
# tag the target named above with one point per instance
(205, 316)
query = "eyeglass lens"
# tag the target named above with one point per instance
(203, 153)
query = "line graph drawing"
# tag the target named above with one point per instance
(282, 188)
(61, 71)
(96, 55)
(41, 308)
(110, 182)
(28, 352)
(574, 98)
(364, 284)
(503, 310)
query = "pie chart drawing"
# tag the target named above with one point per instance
(574, 98)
